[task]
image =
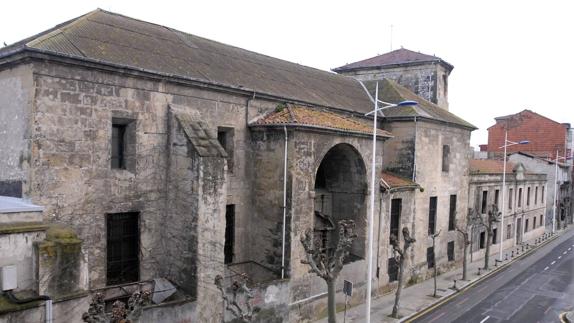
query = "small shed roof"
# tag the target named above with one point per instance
(14, 204)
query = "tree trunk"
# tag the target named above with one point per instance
(332, 309)
(435, 270)
(395, 312)
(464, 261)
(487, 251)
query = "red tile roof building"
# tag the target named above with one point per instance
(545, 136)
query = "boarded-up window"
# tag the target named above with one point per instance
(393, 269)
(451, 212)
(118, 146)
(229, 233)
(396, 206)
(450, 250)
(430, 257)
(432, 215)
(122, 248)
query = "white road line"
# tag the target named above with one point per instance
(552, 263)
(546, 268)
(564, 253)
(569, 248)
(559, 257)
(484, 320)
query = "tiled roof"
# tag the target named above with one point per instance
(489, 166)
(392, 92)
(110, 38)
(290, 115)
(390, 181)
(201, 137)
(399, 56)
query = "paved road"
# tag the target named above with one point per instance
(536, 288)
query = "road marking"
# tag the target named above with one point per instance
(552, 263)
(548, 309)
(486, 318)
(436, 317)
(546, 268)
(564, 253)
(569, 248)
(559, 257)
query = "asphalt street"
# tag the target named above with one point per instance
(536, 288)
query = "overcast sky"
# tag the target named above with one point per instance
(508, 55)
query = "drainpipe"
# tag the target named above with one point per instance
(247, 108)
(12, 298)
(284, 205)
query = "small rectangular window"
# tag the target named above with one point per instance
(445, 158)
(510, 195)
(396, 205)
(484, 202)
(541, 217)
(526, 226)
(496, 195)
(122, 248)
(393, 269)
(225, 136)
(450, 250)
(229, 233)
(118, 146)
(430, 257)
(520, 197)
(534, 223)
(542, 195)
(536, 195)
(528, 196)
(494, 236)
(482, 241)
(451, 213)
(508, 231)
(432, 215)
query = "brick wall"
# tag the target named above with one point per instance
(545, 135)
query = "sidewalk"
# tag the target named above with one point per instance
(418, 297)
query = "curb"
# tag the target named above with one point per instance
(460, 291)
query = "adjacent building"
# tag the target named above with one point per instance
(523, 204)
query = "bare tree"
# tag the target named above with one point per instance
(466, 233)
(435, 266)
(120, 313)
(239, 290)
(327, 262)
(492, 217)
(400, 255)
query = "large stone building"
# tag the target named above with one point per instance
(173, 156)
(524, 205)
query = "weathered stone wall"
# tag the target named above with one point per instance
(429, 81)
(429, 144)
(16, 89)
(400, 150)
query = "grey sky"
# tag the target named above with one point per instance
(508, 55)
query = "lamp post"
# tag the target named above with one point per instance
(507, 143)
(375, 112)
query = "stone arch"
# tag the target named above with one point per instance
(340, 193)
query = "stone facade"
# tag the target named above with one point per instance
(524, 216)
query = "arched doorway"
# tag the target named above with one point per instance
(340, 191)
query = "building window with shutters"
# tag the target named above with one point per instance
(122, 254)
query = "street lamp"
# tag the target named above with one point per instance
(375, 112)
(507, 143)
